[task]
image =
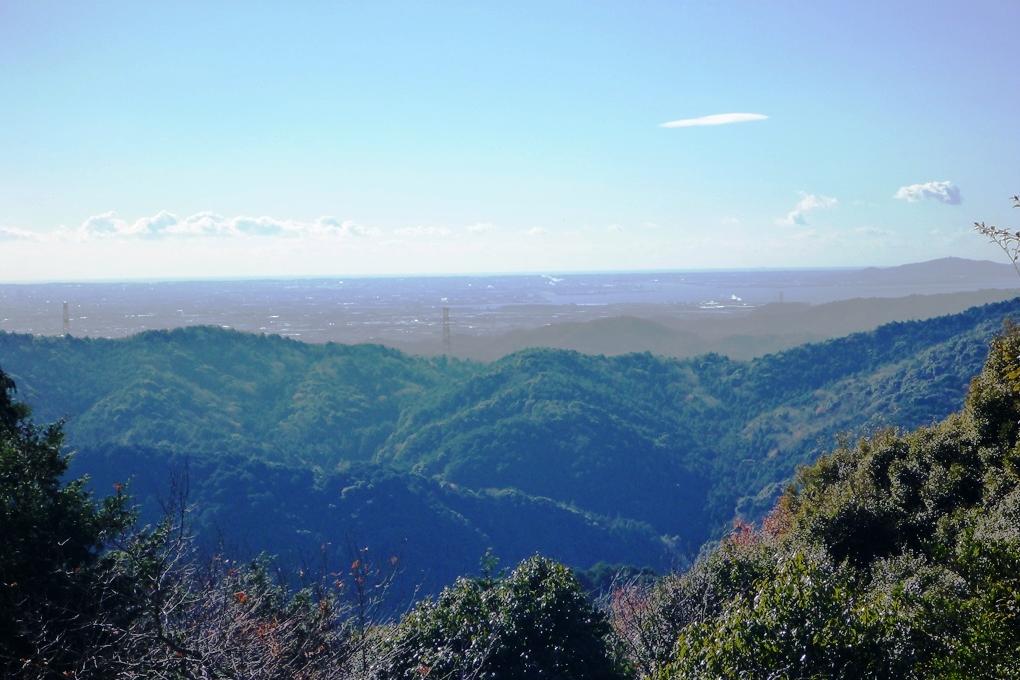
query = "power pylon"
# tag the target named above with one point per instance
(446, 330)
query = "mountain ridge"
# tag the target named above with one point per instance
(655, 454)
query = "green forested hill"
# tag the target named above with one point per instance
(436, 531)
(632, 458)
(897, 556)
(208, 389)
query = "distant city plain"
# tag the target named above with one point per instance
(409, 311)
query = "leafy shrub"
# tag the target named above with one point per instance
(536, 622)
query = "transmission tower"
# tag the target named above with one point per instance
(446, 330)
(67, 319)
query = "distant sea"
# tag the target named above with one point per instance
(360, 309)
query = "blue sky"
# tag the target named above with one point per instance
(235, 139)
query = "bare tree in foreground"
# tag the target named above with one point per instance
(1008, 240)
(164, 613)
(227, 620)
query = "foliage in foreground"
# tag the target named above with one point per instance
(53, 572)
(536, 622)
(83, 594)
(897, 557)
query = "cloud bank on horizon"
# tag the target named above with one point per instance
(714, 119)
(206, 224)
(165, 224)
(15, 234)
(943, 192)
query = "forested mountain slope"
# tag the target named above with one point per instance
(433, 531)
(211, 389)
(302, 445)
(897, 556)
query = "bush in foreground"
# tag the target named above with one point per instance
(536, 622)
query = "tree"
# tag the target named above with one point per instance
(85, 594)
(536, 622)
(1008, 240)
(894, 557)
(59, 599)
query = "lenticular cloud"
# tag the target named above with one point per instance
(714, 119)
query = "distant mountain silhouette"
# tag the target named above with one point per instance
(739, 334)
(945, 269)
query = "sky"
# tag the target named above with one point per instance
(196, 139)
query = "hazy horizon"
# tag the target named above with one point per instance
(408, 312)
(474, 274)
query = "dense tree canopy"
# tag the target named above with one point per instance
(894, 556)
(540, 451)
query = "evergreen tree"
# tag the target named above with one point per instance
(536, 622)
(58, 593)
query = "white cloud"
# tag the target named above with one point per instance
(714, 119)
(536, 231)
(943, 192)
(806, 204)
(872, 232)
(156, 225)
(163, 223)
(262, 226)
(423, 232)
(209, 224)
(15, 234)
(109, 226)
(332, 226)
(104, 224)
(614, 229)
(204, 224)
